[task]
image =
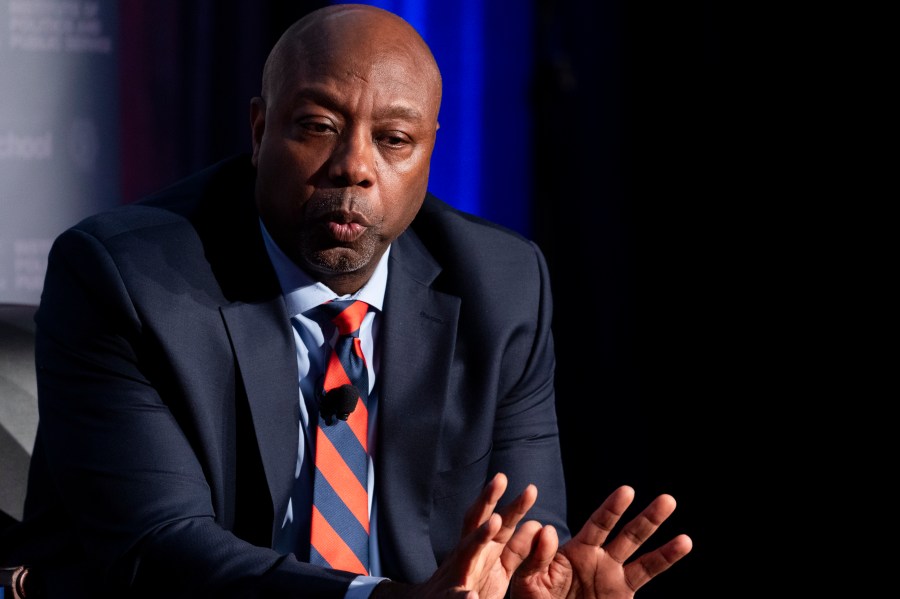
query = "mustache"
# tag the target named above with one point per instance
(339, 206)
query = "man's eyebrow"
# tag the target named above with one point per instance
(317, 95)
(400, 111)
(328, 100)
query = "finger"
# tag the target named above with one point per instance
(640, 571)
(596, 530)
(473, 553)
(485, 504)
(531, 550)
(472, 546)
(464, 568)
(513, 513)
(500, 527)
(640, 528)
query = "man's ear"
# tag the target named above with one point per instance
(257, 125)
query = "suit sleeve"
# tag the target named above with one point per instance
(526, 437)
(127, 475)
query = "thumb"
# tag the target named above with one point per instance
(537, 557)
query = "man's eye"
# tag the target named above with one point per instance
(393, 140)
(316, 127)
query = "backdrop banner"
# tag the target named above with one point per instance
(59, 129)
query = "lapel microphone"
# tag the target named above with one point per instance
(338, 403)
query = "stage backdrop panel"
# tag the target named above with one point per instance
(59, 129)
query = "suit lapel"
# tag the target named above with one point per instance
(265, 352)
(255, 317)
(418, 337)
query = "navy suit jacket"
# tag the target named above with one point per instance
(167, 385)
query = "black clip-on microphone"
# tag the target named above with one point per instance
(338, 403)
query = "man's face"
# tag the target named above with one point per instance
(342, 148)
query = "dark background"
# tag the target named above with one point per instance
(639, 202)
(639, 214)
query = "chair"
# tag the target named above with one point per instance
(18, 425)
(13, 582)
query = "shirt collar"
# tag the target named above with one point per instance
(301, 292)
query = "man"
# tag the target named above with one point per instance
(180, 354)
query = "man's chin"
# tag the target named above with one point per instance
(337, 261)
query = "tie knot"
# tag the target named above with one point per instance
(347, 315)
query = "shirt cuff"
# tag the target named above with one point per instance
(361, 587)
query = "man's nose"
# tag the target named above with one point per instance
(352, 160)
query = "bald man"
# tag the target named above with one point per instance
(179, 365)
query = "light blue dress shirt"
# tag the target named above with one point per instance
(314, 341)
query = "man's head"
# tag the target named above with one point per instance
(342, 138)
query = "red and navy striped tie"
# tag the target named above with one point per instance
(339, 528)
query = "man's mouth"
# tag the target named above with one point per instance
(346, 232)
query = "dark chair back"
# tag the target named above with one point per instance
(18, 404)
(18, 426)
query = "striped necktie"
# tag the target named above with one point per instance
(339, 527)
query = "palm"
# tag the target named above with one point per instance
(590, 566)
(599, 573)
(551, 583)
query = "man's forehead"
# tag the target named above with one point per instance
(392, 93)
